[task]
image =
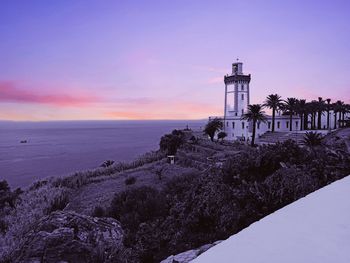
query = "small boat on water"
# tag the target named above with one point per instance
(23, 141)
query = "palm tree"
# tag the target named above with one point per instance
(337, 108)
(274, 102)
(328, 107)
(306, 115)
(312, 140)
(289, 107)
(254, 114)
(212, 127)
(313, 109)
(346, 110)
(320, 110)
(342, 111)
(302, 111)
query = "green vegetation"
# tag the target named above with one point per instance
(8, 200)
(211, 192)
(312, 139)
(274, 102)
(169, 143)
(130, 180)
(222, 135)
(212, 127)
(254, 114)
(202, 207)
(290, 108)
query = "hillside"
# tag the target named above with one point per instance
(214, 190)
(315, 228)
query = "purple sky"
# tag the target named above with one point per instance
(165, 59)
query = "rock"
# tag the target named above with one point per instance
(70, 237)
(189, 255)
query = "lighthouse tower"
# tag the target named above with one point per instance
(236, 92)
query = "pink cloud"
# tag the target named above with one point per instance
(162, 109)
(216, 80)
(10, 93)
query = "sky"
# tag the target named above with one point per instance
(98, 60)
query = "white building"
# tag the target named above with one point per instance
(237, 99)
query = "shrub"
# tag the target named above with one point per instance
(98, 212)
(171, 142)
(7, 197)
(107, 163)
(312, 139)
(59, 202)
(135, 206)
(257, 164)
(222, 135)
(212, 127)
(130, 180)
(285, 186)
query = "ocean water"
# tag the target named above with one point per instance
(60, 148)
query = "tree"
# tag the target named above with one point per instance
(328, 108)
(171, 142)
(222, 135)
(212, 127)
(274, 102)
(313, 108)
(254, 114)
(302, 111)
(343, 109)
(289, 107)
(312, 139)
(320, 110)
(336, 108)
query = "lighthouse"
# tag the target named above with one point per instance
(236, 92)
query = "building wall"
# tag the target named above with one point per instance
(242, 97)
(237, 129)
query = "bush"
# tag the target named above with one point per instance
(98, 212)
(171, 142)
(257, 164)
(59, 202)
(135, 206)
(130, 180)
(222, 135)
(7, 197)
(107, 163)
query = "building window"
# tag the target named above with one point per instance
(236, 113)
(287, 124)
(233, 125)
(233, 135)
(242, 96)
(243, 125)
(242, 86)
(227, 124)
(258, 125)
(278, 125)
(242, 111)
(269, 124)
(296, 124)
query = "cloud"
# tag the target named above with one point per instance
(162, 109)
(216, 80)
(9, 92)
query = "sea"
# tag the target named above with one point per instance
(30, 151)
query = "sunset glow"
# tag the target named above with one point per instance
(84, 60)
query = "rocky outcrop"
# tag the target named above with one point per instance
(189, 255)
(71, 237)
